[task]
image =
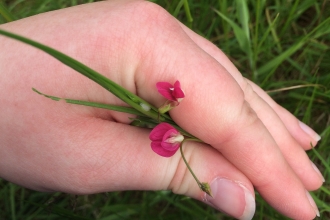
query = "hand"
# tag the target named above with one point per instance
(54, 146)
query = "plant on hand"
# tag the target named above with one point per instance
(167, 137)
(166, 140)
(173, 94)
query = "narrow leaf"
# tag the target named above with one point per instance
(6, 13)
(274, 63)
(93, 104)
(122, 93)
(243, 16)
(239, 32)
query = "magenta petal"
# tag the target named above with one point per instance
(159, 136)
(177, 93)
(164, 85)
(167, 94)
(177, 84)
(158, 149)
(170, 147)
(170, 133)
(159, 131)
(164, 88)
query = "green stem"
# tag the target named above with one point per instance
(202, 185)
(131, 99)
(8, 16)
(12, 201)
(124, 109)
(185, 161)
(188, 14)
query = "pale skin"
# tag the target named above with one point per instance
(53, 146)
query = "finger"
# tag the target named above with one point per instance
(95, 155)
(292, 151)
(273, 116)
(301, 132)
(234, 191)
(214, 110)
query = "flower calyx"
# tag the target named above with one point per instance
(173, 93)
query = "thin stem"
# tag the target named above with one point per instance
(128, 97)
(185, 161)
(203, 186)
(6, 13)
(188, 14)
(93, 104)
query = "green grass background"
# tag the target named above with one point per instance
(282, 45)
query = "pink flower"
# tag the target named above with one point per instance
(165, 140)
(172, 93)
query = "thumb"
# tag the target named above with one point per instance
(146, 170)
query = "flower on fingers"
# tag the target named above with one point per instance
(173, 94)
(165, 140)
(170, 92)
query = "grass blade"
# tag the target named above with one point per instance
(6, 13)
(188, 14)
(178, 8)
(274, 63)
(318, 155)
(239, 32)
(12, 201)
(123, 94)
(94, 104)
(242, 36)
(244, 18)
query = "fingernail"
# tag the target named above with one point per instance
(318, 171)
(313, 204)
(232, 198)
(309, 131)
